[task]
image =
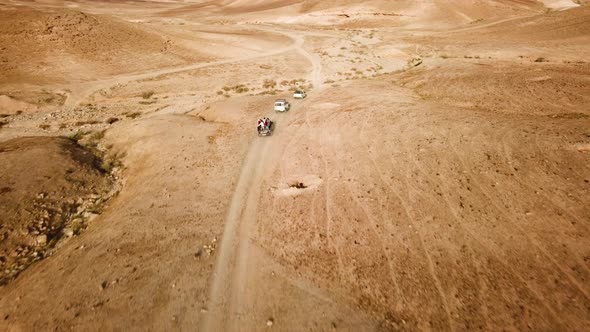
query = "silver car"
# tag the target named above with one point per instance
(299, 94)
(281, 105)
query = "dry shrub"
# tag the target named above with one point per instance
(269, 84)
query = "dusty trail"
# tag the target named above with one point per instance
(226, 297)
(81, 92)
(231, 259)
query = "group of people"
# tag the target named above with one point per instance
(263, 123)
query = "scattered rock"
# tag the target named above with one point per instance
(414, 62)
(90, 216)
(41, 240)
(68, 232)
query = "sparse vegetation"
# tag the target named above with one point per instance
(95, 138)
(269, 84)
(111, 161)
(78, 135)
(147, 94)
(97, 135)
(133, 115)
(88, 122)
(240, 88)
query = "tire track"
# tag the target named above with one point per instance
(478, 242)
(231, 258)
(226, 298)
(518, 226)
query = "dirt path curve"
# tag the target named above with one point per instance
(81, 91)
(315, 76)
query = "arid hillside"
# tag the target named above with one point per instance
(59, 46)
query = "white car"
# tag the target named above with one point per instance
(281, 105)
(299, 94)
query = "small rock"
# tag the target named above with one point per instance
(270, 322)
(41, 240)
(104, 285)
(68, 232)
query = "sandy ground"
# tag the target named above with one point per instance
(437, 176)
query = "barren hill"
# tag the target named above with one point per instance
(61, 45)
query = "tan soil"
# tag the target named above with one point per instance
(437, 176)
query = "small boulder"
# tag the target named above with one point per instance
(41, 240)
(67, 232)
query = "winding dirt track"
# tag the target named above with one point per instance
(81, 91)
(226, 298)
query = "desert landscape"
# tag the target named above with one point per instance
(435, 178)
